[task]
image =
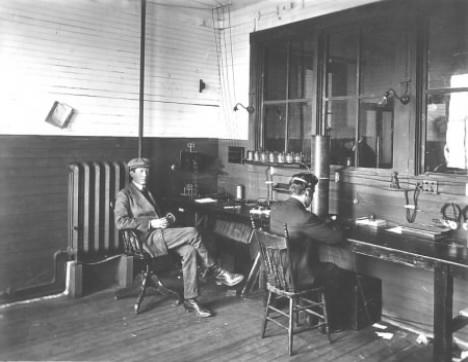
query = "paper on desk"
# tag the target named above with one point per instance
(396, 230)
(205, 200)
(369, 222)
(422, 339)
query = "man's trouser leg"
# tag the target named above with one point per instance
(188, 244)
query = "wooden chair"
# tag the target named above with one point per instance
(280, 284)
(149, 278)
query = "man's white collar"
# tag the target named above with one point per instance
(298, 198)
(138, 186)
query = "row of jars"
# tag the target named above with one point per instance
(275, 157)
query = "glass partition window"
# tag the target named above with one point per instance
(361, 66)
(446, 94)
(288, 73)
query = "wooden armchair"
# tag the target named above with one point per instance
(276, 261)
(133, 247)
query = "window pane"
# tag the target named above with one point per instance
(301, 69)
(375, 143)
(341, 65)
(341, 129)
(299, 126)
(275, 72)
(379, 54)
(447, 133)
(274, 127)
(448, 47)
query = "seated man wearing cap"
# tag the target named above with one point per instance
(306, 230)
(135, 208)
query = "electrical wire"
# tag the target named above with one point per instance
(103, 260)
(412, 210)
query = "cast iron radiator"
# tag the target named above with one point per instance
(92, 187)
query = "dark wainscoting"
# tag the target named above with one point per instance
(34, 191)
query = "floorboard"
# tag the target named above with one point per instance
(99, 328)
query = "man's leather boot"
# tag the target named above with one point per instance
(192, 306)
(224, 277)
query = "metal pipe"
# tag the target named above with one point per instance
(142, 79)
(320, 166)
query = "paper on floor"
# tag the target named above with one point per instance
(379, 326)
(385, 335)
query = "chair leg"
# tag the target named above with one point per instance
(144, 285)
(267, 310)
(292, 313)
(163, 289)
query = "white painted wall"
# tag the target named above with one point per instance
(85, 53)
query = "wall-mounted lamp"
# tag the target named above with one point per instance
(390, 95)
(249, 109)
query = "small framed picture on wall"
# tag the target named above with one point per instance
(59, 114)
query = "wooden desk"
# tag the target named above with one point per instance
(438, 256)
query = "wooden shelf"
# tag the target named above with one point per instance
(276, 164)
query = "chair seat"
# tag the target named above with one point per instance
(291, 294)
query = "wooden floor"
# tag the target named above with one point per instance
(98, 328)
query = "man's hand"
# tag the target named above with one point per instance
(170, 218)
(161, 223)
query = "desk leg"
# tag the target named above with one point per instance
(253, 274)
(443, 298)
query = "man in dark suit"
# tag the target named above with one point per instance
(136, 209)
(306, 232)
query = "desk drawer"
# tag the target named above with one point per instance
(393, 256)
(233, 230)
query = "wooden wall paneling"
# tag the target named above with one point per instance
(181, 50)
(33, 200)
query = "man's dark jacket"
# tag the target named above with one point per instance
(134, 211)
(306, 231)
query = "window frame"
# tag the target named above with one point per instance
(423, 91)
(259, 43)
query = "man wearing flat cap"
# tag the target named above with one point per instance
(136, 209)
(306, 231)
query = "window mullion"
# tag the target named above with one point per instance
(357, 96)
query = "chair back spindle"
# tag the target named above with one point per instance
(274, 250)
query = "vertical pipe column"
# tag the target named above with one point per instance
(142, 79)
(320, 165)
